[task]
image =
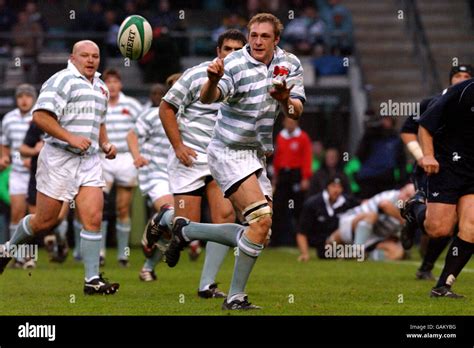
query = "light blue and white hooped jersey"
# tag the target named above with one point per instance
(79, 105)
(154, 146)
(372, 204)
(120, 118)
(247, 113)
(196, 120)
(14, 128)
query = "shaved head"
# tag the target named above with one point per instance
(86, 58)
(80, 44)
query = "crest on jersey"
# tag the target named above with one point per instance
(280, 71)
(104, 92)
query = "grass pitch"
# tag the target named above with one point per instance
(279, 283)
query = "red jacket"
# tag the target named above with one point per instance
(293, 151)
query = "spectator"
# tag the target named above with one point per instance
(27, 37)
(328, 64)
(111, 39)
(7, 19)
(339, 24)
(320, 217)
(332, 166)
(92, 19)
(35, 16)
(318, 155)
(292, 171)
(165, 17)
(340, 30)
(230, 21)
(304, 32)
(382, 156)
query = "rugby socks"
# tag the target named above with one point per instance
(90, 251)
(151, 262)
(458, 256)
(103, 242)
(362, 232)
(77, 239)
(227, 234)
(61, 231)
(433, 250)
(167, 219)
(215, 255)
(22, 231)
(248, 253)
(123, 234)
(12, 229)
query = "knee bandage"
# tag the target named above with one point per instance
(256, 211)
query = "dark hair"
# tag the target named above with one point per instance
(231, 34)
(111, 73)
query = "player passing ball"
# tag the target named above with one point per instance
(241, 139)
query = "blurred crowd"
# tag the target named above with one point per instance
(302, 169)
(321, 29)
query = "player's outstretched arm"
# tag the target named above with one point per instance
(303, 245)
(47, 122)
(428, 161)
(209, 91)
(132, 142)
(291, 107)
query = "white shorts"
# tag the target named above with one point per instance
(345, 228)
(120, 170)
(18, 183)
(229, 166)
(187, 179)
(158, 189)
(60, 173)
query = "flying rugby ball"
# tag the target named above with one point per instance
(134, 37)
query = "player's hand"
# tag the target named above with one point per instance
(79, 142)
(185, 154)
(110, 150)
(39, 145)
(304, 185)
(303, 258)
(140, 161)
(27, 162)
(280, 92)
(4, 162)
(215, 70)
(429, 164)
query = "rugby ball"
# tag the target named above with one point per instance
(134, 37)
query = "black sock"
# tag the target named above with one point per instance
(419, 211)
(433, 250)
(458, 255)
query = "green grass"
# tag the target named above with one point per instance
(318, 288)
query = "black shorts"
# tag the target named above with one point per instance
(449, 184)
(31, 195)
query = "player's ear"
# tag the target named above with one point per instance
(277, 41)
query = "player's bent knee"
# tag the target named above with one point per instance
(258, 211)
(42, 225)
(437, 229)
